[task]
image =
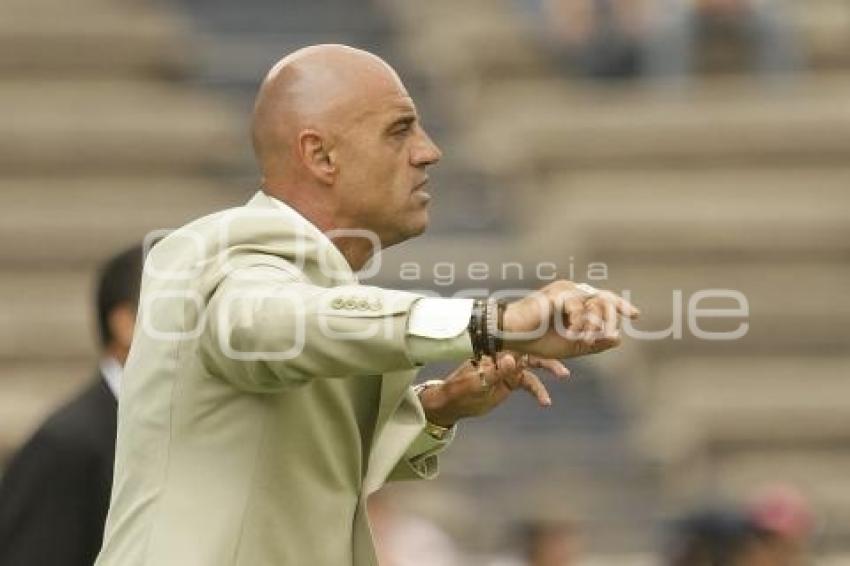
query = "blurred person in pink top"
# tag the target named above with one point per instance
(786, 518)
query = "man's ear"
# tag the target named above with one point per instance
(316, 156)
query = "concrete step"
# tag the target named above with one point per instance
(31, 390)
(788, 303)
(657, 212)
(468, 45)
(66, 126)
(296, 17)
(79, 221)
(48, 37)
(476, 47)
(694, 404)
(724, 123)
(825, 29)
(55, 239)
(47, 315)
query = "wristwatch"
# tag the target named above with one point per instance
(435, 431)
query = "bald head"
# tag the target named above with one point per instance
(323, 88)
(338, 138)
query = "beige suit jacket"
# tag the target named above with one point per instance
(266, 394)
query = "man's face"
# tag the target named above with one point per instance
(382, 159)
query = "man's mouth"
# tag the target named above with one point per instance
(420, 192)
(421, 185)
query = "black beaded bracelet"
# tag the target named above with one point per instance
(491, 322)
(477, 329)
(485, 327)
(501, 306)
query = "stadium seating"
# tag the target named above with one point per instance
(729, 182)
(100, 144)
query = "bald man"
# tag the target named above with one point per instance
(267, 392)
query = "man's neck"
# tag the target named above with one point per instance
(357, 251)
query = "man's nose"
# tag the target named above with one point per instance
(425, 152)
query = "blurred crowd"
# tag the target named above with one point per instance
(773, 529)
(669, 39)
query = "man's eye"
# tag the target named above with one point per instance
(401, 129)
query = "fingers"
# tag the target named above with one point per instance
(627, 309)
(506, 362)
(492, 381)
(603, 344)
(612, 319)
(569, 305)
(555, 367)
(469, 379)
(594, 321)
(610, 316)
(487, 373)
(535, 387)
(574, 309)
(591, 317)
(507, 371)
(603, 314)
(513, 374)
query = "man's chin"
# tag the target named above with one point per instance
(411, 230)
(418, 228)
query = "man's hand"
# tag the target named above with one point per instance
(563, 321)
(471, 392)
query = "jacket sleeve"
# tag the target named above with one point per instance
(421, 460)
(267, 330)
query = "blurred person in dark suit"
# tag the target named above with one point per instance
(690, 36)
(54, 494)
(596, 39)
(720, 537)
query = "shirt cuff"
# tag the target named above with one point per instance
(437, 330)
(426, 446)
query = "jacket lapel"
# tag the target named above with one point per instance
(400, 417)
(400, 421)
